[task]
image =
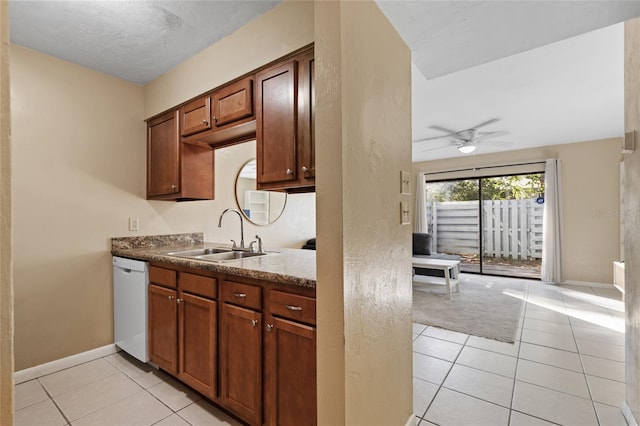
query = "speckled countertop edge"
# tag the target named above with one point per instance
(284, 266)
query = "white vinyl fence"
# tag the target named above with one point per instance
(511, 228)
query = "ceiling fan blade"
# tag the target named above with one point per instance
(486, 123)
(437, 147)
(443, 129)
(486, 135)
(431, 139)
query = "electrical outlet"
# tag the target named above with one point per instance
(404, 213)
(134, 224)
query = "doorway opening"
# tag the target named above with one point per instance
(493, 223)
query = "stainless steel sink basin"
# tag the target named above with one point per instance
(198, 252)
(215, 254)
(233, 255)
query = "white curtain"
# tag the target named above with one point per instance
(551, 223)
(420, 222)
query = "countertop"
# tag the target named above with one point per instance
(285, 266)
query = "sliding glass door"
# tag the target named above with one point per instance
(453, 222)
(493, 223)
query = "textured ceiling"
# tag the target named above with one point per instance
(137, 41)
(449, 36)
(535, 65)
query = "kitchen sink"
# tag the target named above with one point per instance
(215, 254)
(198, 252)
(232, 255)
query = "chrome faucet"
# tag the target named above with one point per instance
(241, 227)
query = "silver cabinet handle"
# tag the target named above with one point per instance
(289, 171)
(170, 297)
(254, 322)
(213, 117)
(174, 187)
(293, 308)
(304, 169)
(240, 295)
(269, 327)
(205, 122)
(179, 300)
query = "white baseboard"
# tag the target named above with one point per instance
(587, 284)
(628, 415)
(63, 363)
(411, 421)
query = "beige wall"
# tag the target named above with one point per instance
(631, 210)
(6, 290)
(363, 131)
(281, 30)
(79, 171)
(591, 195)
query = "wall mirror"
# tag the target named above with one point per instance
(259, 207)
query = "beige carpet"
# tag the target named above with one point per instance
(486, 306)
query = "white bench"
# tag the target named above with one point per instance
(443, 265)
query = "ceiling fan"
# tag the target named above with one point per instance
(466, 140)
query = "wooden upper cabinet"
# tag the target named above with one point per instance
(284, 125)
(196, 116)
(276, 123)
(177, 170)
(233, 102)
(222, 117)
(306, 124)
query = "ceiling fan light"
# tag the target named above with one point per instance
(466, 149)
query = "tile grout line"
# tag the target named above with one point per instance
(584, 373)
(54, 402)
(515, 373)
(444, 378)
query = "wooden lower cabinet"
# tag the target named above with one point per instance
(290, 373)
(247, 345)
(197, 319)
(241, 362)
(163, 328)
(183, 327)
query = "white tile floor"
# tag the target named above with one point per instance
(116, 390)
(567, 367)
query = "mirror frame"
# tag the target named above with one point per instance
(235, 194)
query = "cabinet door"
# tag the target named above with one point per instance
(306, 125)
(197, 342)
(163, 336)
(240, 362)
(196, 116)
(290, 373)
(163, 155)
(276, 123)
(233, 102)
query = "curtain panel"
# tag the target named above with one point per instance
(552, 223)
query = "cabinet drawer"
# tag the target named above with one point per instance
(292, 306)
(197, 284)
(242, 294)
(162, 276)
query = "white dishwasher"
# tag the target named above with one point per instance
(130, 285)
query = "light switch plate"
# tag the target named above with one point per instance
(405, 186)
(404, 213)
